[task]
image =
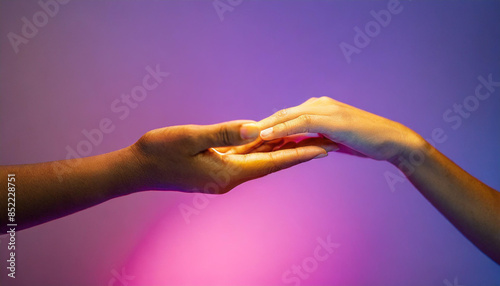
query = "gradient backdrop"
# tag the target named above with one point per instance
(252, 60)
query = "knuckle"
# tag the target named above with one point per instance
(282, 113)
(312, 99)
(223, 136)
(297, 152)
(285, 126)
(328, 100)
(305, 120)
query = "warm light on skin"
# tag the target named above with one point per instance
(261, 58)
(251, 146)
(216, 151)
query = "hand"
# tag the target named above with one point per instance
(174, 158)
(356, 131)
(469, 204)
(182, 157)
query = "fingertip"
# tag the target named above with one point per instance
(266, 134)
(249, 131)
(322, 155)
(330, 147)
(314, 152)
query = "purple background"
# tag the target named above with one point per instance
(262, 57)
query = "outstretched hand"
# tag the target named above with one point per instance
(186, 158)
(469, 204)
(356, 131)
(192, 158)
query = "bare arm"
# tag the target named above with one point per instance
(40, 196)
(173, 158)
(471, 206)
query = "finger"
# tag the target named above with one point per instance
(311, 106)
(305, 123)
(244, 149)
(260, 164)
(269, 146)
(292, 139)
(230, 133)
(322, 142)
(262, 146)
(223, 150)
(281, 116)
(288, 145)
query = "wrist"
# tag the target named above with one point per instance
(129, 171)
(413, 152)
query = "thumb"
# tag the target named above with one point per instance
(231, 133)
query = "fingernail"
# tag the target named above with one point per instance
(330, 148)
(266, 132)
(249, 131)
(322, 155)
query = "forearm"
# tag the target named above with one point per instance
(470, 205)
(43, 194)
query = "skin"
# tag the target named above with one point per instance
(470, 205)
(178, 158)
(185, 158)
